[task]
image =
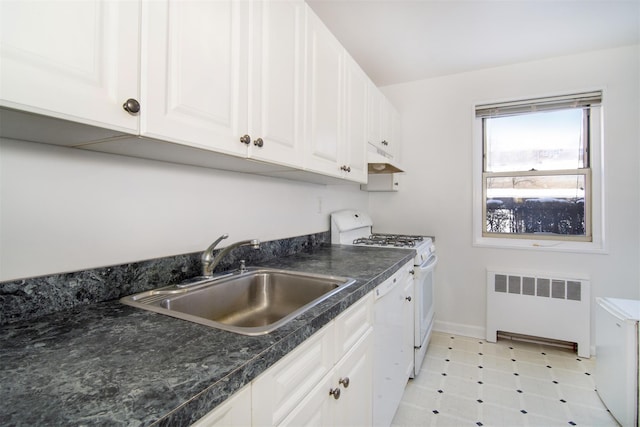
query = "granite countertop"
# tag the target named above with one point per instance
(111, 364)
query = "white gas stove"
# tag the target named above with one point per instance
(351, 227)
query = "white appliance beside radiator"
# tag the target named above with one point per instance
(617, 370)
(540, 305)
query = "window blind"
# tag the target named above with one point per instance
(580, 100)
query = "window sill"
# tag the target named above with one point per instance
(541, 245)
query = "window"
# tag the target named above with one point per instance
(537, 168)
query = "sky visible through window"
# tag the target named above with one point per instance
(540, 141)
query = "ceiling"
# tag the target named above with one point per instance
(397, 41)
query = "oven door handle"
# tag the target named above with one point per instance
(428, 265)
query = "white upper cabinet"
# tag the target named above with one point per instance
(384, 123)
(194, 72)
(375, 114)
(390, 134)
(325, 77)
(276, 66)
(336, 107)
(356, 121)
(206, 83)
(75, 60)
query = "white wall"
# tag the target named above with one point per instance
(436, 197)
(64, 209)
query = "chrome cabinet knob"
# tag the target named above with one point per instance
(344, 382)
(258, 142)
(384, 142)
(345, 168)
(335, 392)
(408, 298)
(245, 139)
(131, 106)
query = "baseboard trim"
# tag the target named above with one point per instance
(459, 329)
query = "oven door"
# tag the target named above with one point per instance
(424, 312)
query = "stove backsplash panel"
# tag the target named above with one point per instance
(30, 298)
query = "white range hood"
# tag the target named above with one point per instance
(380, 162)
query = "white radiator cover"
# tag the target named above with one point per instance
(541, 305)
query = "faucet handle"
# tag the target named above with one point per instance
(207, 255)
(219, 239)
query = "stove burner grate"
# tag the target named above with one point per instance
(393, 240)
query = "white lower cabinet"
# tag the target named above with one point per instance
(344, 396)
(325, 381)
(315, 409)
(354, 378)
(281, 388)
(235, 412)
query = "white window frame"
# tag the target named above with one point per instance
(597, 243)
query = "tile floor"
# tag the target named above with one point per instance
(470, 382)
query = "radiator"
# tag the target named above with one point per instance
(545, 306)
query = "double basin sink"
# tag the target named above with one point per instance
(254, 301)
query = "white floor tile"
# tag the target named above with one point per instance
(469, 382)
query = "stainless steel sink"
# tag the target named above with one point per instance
(254, 302)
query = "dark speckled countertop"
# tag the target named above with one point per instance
(111, 364)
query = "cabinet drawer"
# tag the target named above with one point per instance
(352, 324)
(280, 388)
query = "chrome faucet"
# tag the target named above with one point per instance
(209, 263)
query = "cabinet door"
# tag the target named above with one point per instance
(354, 376)
(276, 99)
(356, 131)
(76, 60)
(235, 412)
(374, 127)
(385, 125)
(194, 73)
(325, 64)
(390, 129)
(281, 388)
(316, 409)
